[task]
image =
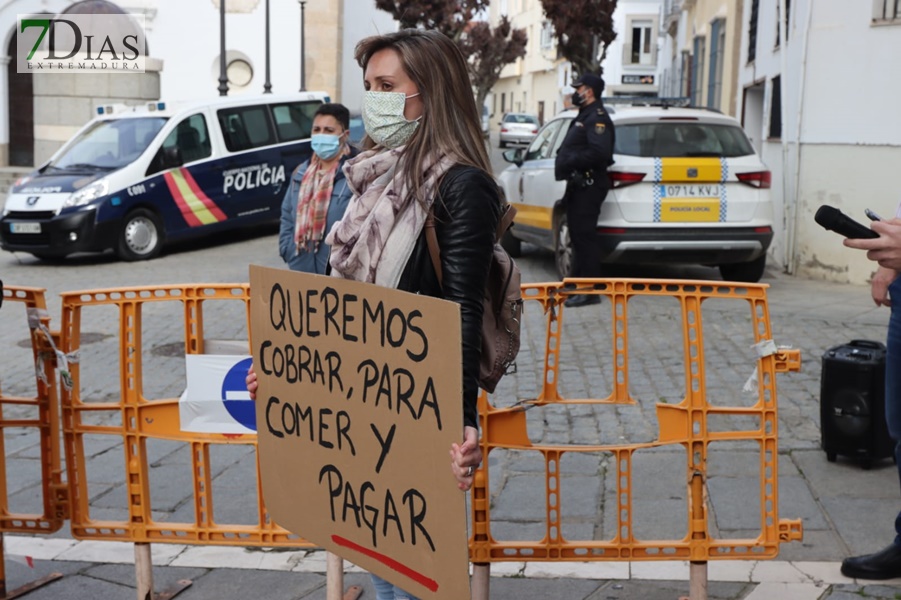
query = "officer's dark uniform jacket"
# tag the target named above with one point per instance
(467, 211)
(587, 149)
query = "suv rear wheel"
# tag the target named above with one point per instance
(563, 248)
(749, 272)
(141, 236)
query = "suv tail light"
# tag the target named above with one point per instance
(757, 179)
(621, 179)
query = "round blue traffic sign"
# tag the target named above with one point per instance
(236, 397)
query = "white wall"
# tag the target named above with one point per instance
(851, 178)
(854, 65)
(190, 51)
(840, 83)
(361, 19)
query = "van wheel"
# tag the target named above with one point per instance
(141, 236)
(563, 248)
(749, 272)
(512, 245)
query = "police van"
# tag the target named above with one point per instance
(134, 178)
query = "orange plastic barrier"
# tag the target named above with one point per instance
(685, 423)
(134, 420)
(40, 412)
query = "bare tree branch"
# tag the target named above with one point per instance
(584, 29)
(487, 50)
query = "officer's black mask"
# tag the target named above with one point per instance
(577, 99)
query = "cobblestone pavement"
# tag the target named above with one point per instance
(845, 509)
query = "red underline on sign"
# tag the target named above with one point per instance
(419, 578)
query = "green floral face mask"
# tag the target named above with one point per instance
(383, 118)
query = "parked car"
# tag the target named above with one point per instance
(687, 187)
(135, 177)
(486, 123)
(518, 128)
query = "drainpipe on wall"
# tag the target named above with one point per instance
(792, 228)
(788, 200)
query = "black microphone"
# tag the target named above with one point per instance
(835, 220)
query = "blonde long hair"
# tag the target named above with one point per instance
(451, 123)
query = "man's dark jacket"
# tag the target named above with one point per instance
(588, 145)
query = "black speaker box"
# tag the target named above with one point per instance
(852, 403)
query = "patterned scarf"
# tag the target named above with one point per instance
(312, 204)
(375, 239)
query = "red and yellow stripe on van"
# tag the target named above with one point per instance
(698, 174)
(195, 206)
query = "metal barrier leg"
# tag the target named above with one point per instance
(24, 589)
(481, 581)
(2, 556)
(143, 571)
(334, 580)
(144, 576)
(697, 581)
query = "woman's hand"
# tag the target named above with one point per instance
(251, 382)
(466, 458)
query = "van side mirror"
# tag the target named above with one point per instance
(514, 156)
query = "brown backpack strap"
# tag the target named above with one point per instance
(431, 239)
(506, 220)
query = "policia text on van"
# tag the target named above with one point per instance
(135, 177)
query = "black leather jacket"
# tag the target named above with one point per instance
(467, 210)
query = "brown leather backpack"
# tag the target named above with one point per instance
(502, 317)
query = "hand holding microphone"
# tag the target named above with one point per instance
(882, 242)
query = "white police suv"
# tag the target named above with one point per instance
(688, 187)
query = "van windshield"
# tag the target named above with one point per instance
(109, 145)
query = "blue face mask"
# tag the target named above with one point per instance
(325, 145)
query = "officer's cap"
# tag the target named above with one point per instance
(591, 80)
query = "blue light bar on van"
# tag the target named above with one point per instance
(104, 110)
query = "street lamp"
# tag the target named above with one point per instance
(267, 87)
(223, 78)
(303, 53)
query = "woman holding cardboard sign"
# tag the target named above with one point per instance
(423, 152)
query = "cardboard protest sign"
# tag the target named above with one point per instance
(360, 398)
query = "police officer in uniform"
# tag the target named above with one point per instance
(583, 158)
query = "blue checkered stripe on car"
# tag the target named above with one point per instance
(724, 175)
(658, 175)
